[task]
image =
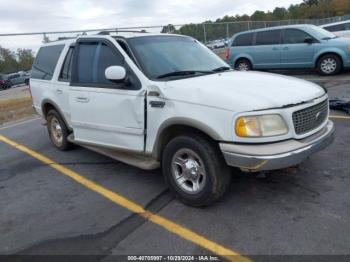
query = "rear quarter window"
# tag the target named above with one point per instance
(45, 62)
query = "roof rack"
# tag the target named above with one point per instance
(107, 32)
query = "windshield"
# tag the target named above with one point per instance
(162, 56)
(323, 34)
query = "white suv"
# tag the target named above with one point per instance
(167, 100)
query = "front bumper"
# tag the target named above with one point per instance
(261, 157)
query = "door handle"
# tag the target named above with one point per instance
(82, 99)
(59, 91)
(158, 104)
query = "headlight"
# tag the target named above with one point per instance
(259, 126)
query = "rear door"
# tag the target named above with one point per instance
(103, 112)
(267, 49)
(295, 52)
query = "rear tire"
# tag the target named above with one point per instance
(195, 170)
(58, 131)
(243, 65)
(329, 65)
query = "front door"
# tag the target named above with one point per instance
(103, 112)
(296, 53)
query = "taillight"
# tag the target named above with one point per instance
(227, 54)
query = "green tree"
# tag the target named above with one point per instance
(8, 62)
(169, 29)
(25, 58)
(258, 16)
(280, 13)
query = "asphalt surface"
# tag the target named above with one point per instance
(299, 211)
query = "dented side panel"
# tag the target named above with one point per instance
(108, 117)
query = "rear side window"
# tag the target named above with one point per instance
(45, 62)
(66, 71)
(93, 60)
(243, 40)
(295, 36)
(272, 37)
(335, 28)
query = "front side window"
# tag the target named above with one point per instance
(295, 36)
(45, 62)
(272, 37)
(93, 60)
(243, 40)
(162, 55)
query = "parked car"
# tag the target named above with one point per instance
(341, 29)
(4, 82)
(289, 47)
(167, 100)
(19, 78)
(220, 43)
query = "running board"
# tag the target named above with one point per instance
(133, 159)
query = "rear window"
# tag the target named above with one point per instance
(272, 37)
(45, 62)
(243, 40)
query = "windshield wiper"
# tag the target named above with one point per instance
(183, 73)
(221, 68)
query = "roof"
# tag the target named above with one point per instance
(125, 35)
(276, 28)
(336, 23)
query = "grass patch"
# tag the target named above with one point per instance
(15, 109)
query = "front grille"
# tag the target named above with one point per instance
(310, 118)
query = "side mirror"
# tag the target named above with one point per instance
(115, 73)
(308, 40)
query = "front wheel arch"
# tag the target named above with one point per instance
(330, 53)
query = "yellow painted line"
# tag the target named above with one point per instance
(134, 207)
(339, 117)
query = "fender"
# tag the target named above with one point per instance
(185, 123)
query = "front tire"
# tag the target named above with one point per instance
(195, 170)
(329, 65)
(58, 131)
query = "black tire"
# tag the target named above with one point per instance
(329, 65)
(243, 65)
(217, 173)
(26, 81)
(62, 144)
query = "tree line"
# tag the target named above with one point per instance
(308, 9)
(11, 61)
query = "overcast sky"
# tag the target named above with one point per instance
(48, 15)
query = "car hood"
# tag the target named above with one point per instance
(242, 91)
(339, 40)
